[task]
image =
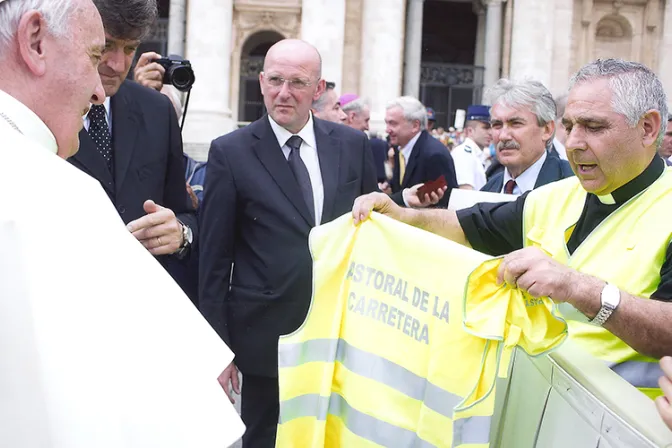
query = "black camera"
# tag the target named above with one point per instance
(178, 72)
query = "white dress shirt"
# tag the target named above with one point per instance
(527, 179)
(308, 152)
(108, 116)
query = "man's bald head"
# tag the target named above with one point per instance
(291, 82)
(297, 49)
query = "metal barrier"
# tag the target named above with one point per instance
(570, 399)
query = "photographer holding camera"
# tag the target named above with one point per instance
(132, 144)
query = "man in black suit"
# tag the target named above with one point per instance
(268, 185)
(523, 125)
(140, 162)
(421, 158)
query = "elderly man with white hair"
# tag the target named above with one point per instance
(421, 158)
(357, 111)
(87, 363)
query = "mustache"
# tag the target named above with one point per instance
(509, 144)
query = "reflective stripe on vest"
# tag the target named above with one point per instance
(474, 430)
(395, 355)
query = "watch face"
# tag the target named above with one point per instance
(611, 296)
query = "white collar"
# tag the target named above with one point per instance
(307, 133)
(27, 121)
(408, 149)
(528, 178)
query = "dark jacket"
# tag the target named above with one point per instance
(148, 164)
(429, 160)
(255, 221)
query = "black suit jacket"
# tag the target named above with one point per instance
(553, 169)
(379, 149)
(254, 219)
(429, 160)
(148, 161)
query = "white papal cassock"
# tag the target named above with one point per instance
(98, 345)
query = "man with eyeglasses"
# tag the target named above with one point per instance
(268, 185)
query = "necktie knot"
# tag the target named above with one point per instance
(294, 142)
(96, 112)
(510, 185)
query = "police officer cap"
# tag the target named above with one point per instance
(478, 112)
(431, 116)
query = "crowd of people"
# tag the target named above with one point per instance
(588, 228)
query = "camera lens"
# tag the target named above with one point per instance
(182, 77)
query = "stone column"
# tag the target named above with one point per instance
(532, 40)
(493, 41)
(665, 61)
(176, 21)
(413, 48)
(323, 25)
(209, 50)
(382, 53)
(479, 54)
(562, 46)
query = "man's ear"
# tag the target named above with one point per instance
(549, 130)
(650, 125)
(321, 86)
(30, 38)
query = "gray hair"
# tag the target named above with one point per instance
(355, 106)
(560, 105)
(635, 89)
(128, 19)
(525, 94)
(56, 14)
(412, 109)
(320, 103)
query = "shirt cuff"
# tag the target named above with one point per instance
(403, 197)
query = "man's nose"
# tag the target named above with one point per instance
(284, 90)
(575, 139)
(116, 60)
(98, 96)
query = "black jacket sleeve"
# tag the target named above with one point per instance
(218, 224)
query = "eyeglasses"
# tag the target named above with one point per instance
(294, 84)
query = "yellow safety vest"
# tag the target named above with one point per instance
(627, 250)
(390, 353)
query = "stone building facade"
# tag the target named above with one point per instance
(444, 52)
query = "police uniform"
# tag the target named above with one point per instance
(469, 158)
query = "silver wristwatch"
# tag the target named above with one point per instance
(610, 297)
(187, 239)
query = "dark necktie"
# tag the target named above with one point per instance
(100, 132)
(510, 185)
(301, 172)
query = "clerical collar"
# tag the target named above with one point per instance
(636, 185)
